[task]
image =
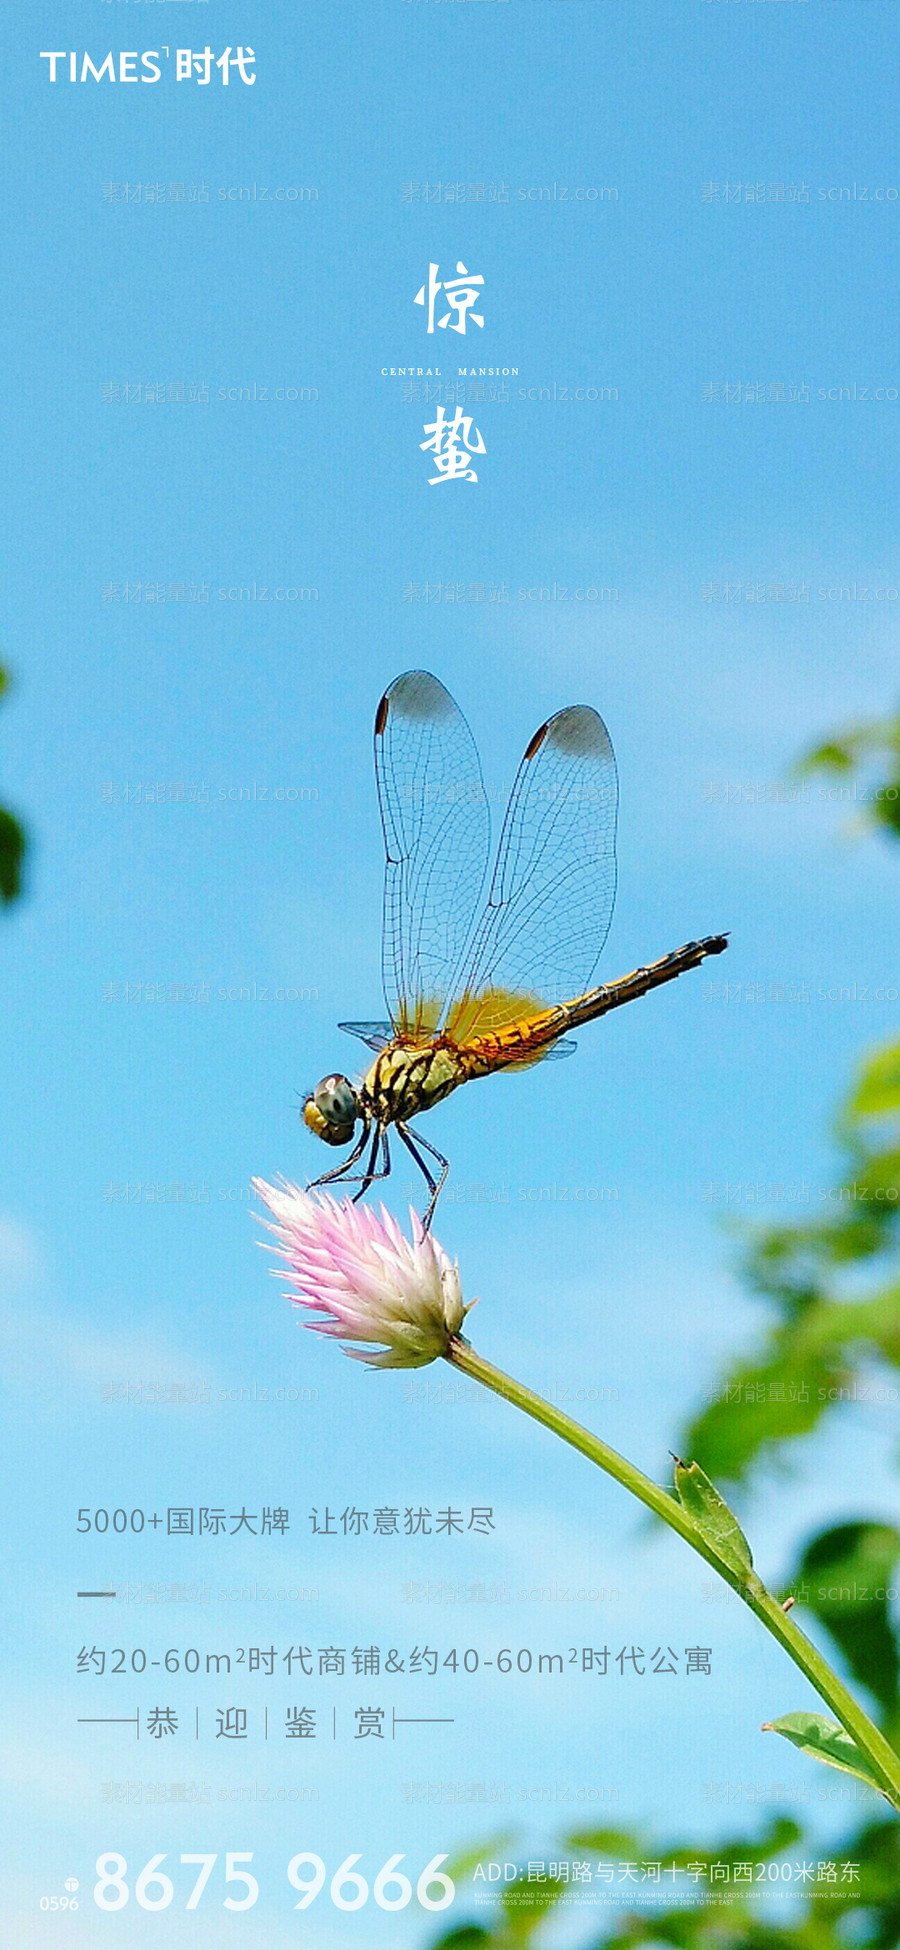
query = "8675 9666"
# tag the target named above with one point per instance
(153, 1889)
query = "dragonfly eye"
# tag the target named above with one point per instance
(332, 1110)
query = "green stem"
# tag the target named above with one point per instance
(882, 1759)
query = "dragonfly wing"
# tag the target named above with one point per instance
(566, 1046)
(376, 1034)
(551, 896)
(437, 839)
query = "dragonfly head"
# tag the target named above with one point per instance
(332, 1110)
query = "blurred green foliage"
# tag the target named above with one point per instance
(867, 758)
(831, 1287)
(734, 1922)
(12, 839)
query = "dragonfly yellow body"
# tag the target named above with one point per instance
(407, 1079)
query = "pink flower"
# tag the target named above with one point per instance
(369, 1281)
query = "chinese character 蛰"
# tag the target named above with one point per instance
(451, 460)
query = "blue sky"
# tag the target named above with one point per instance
(656, 493)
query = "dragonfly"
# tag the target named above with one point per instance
(475, 989)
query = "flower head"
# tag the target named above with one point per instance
(370, 1282)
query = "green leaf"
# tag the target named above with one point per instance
(12, 838)
(837, 1578)
(460, 1866)
(712, 1516)
(876, 1179)
(828, 758)
(887, 810)
(524, 1906)
(470, 1937)
(878, 1090)
(812, 1363)
(877, 1849)
(768, 1401)
(824, 1740)
(605, 1841)
(870, 1325)
(779, 1834)
(12, 852)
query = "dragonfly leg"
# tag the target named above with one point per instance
(340, 1171)
(370, 1174)
(435, 1185)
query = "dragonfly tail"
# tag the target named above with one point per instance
(597, 1002)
